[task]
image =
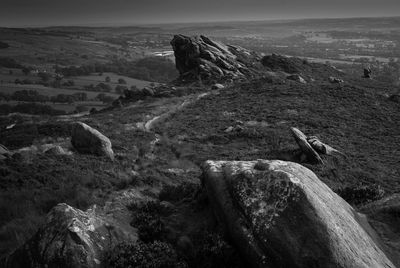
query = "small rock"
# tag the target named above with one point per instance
(217, 86)
(335, 80)
(229, 129)
(367, 72)
(148, 91)
(86, 139)
(56, 150)
(297, 78)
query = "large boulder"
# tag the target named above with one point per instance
(201, 58)
(86, 139)
(72, 238)
(384, 217)
(279, 214)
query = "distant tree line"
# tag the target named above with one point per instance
(157, 69)
(34, 96)
(29, 108)
(9, 63)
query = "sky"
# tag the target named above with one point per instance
(24, 13)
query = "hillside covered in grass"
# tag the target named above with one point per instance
(153, 195)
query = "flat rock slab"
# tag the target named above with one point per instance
(301, 140)
(279, 214)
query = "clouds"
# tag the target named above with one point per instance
(73, 12)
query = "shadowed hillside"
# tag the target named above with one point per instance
(130, 186)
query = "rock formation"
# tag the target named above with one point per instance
(312, 147)
(86, 139)
(201, 58)
(279, 214)
(71, 238)
(306, 147)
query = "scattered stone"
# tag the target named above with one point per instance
(297, 78)
(282, 215)
(301, 140)
(229, 129)
(148, 91)
(72, 238)
(88, 140)
(10, 126)
(56, 150)
(217, 86)
(335, 80)
(256, 124)
(321, 147)
(367, 72)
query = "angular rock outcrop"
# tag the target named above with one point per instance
(201, 58)
(88, 140)
(71, 238)
(305, 146)
(279, 214)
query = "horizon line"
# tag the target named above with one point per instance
(125, 24)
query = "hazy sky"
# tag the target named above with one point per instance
(125, 12)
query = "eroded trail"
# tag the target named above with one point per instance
(150, 124)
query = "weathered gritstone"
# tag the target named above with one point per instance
(280, 214)
(71, 237)
(263, 196)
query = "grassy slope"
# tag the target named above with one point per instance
(95, 79)
(30, 186)
(357, 120)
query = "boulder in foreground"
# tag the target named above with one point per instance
(279, 214)
(71, 238)
(88, 140)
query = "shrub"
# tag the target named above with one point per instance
(121, 81)
(213, 251)
(147, 219)
(178, 193)
(361, 194)
(154, 255)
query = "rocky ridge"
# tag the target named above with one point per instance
(202, 58)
